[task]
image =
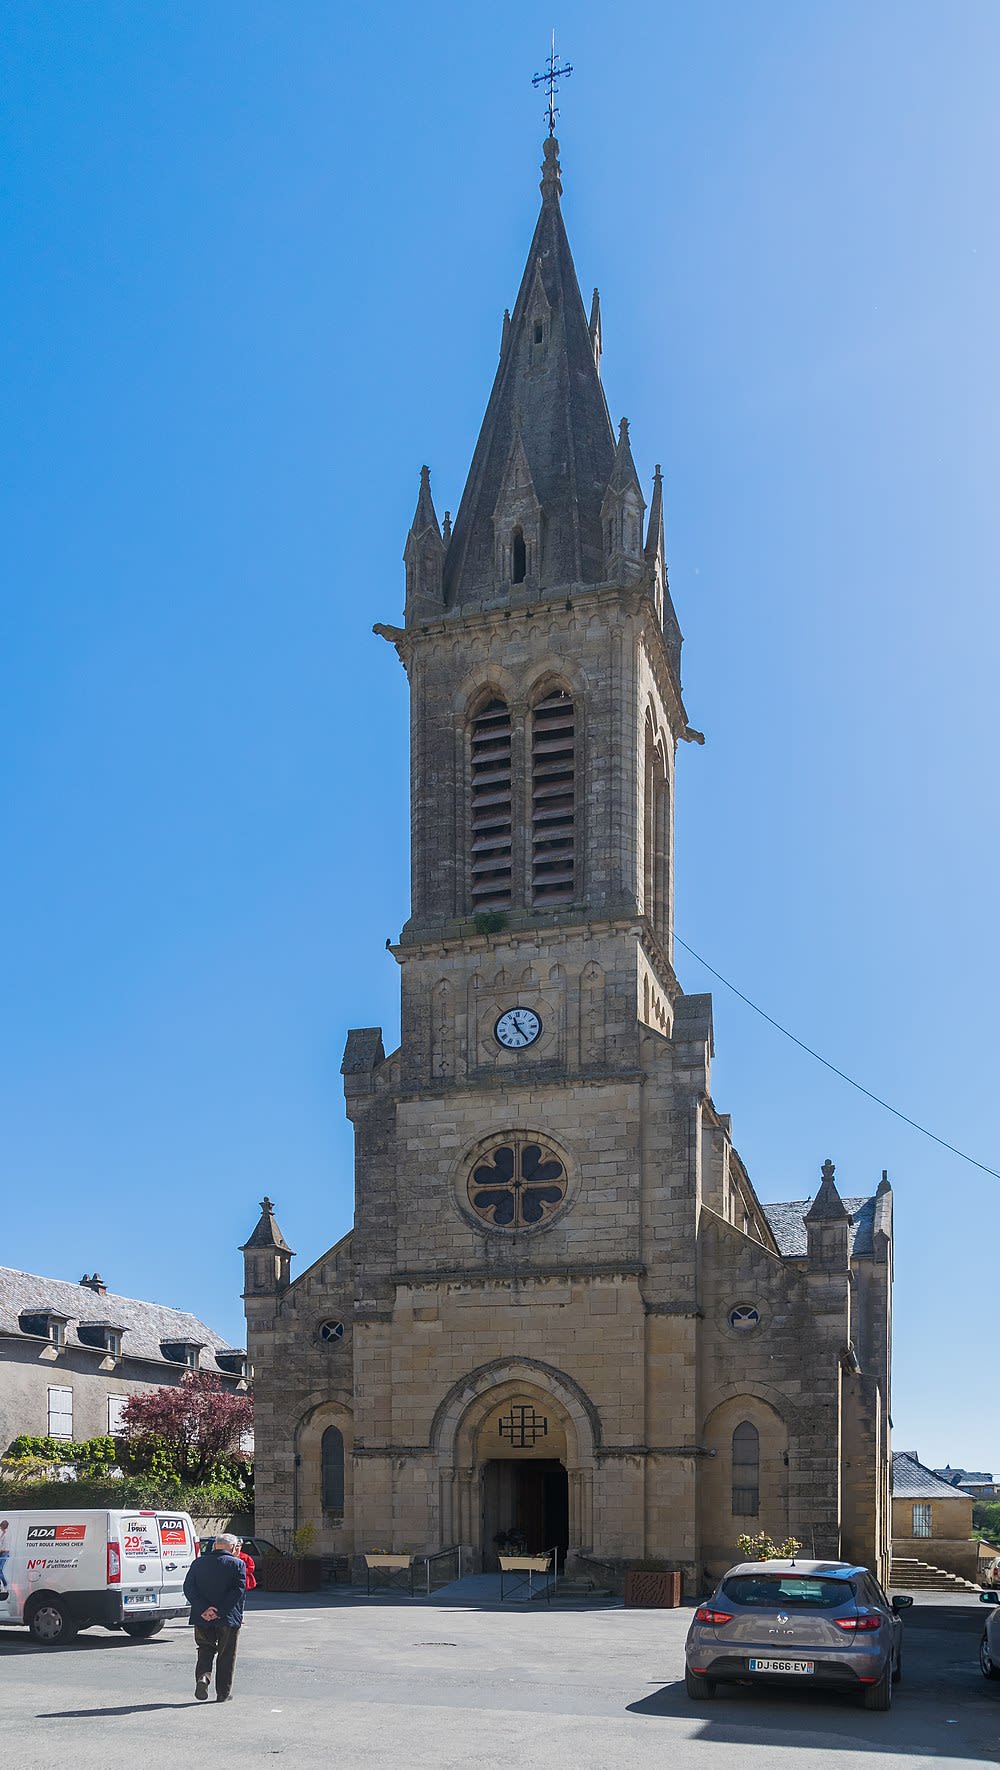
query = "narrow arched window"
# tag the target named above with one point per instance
(553, 799)
(332, 1453)
(746, 1471)
(491, 808)
(518, 557)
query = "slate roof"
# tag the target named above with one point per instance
(910, 1480)
(957, 1477)
(147, 1325)
(788, 1225)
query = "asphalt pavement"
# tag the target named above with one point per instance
(337, 1678)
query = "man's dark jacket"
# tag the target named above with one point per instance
(217, 1579)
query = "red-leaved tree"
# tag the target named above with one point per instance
(195, 1422)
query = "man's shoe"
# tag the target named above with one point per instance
(228, 1698)
(201, 1688)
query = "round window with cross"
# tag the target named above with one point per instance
(518, 1182)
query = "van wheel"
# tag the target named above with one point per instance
(50, 1624)
(986, 1666)
(141, 1631)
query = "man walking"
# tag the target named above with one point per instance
(215, 1587)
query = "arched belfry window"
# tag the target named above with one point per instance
(332, 1455)
(518, 557)
(491, 807)
(746, 1471)
(553, 799)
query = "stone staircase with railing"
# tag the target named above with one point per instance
(912, 1575)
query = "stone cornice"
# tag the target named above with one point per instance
(428, 1279)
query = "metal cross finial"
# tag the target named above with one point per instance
(553, 74)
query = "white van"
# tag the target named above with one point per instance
(64, 1571)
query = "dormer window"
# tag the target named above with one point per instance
(105, 1336)
(45, 1325)
(186, 1352)
(232, 1361)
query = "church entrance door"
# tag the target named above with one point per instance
(528, 1502)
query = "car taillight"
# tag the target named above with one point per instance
(716, 1618)
(855, 1624)
(197, 1548)
(114, 1565)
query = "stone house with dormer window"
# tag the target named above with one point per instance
(70, 1354)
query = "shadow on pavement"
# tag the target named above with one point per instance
(132, 1708)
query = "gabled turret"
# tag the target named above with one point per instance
(267, 1257)
(828, 1224)
(547, 402)
(424, 555)
(621, 514)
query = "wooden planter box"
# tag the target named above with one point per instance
(289, 1573)
(646, 1590)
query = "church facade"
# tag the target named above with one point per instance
(563, 1316)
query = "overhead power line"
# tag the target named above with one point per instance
(825, 1061)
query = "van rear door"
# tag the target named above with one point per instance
(177, 1551)
(141, 1563)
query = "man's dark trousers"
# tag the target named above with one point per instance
(218, 1642)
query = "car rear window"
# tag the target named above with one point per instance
(787, 1589)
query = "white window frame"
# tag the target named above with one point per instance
(923, 1518)
(58, 1414)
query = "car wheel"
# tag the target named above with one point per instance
(50, 1624)
(141, 1631)
(986, 1666)
(879, 1696)
(698, 1687)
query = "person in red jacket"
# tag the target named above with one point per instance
(248, 1562)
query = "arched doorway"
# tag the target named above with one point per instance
(517, 1460)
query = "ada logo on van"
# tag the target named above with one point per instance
(56, 1533)
(172, 1531)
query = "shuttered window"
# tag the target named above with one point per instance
(553, 799)
(491, 808)
(746, 1471)
(60, 1413)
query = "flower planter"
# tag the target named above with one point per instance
(646, 1590)
(289, 1573)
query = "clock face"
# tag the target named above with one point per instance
(517, 1028)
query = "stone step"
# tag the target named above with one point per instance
(921, 1576)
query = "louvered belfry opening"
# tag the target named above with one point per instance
(491, 808)
(553, 799)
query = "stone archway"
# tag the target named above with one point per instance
(509, 1416)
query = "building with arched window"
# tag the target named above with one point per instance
(563, 1312)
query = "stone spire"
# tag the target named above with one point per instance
(827, 1206)
(424, 554)
(547, 402)
(621, 514)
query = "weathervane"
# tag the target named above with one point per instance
(549, 79)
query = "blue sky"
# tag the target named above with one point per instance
(254, 265)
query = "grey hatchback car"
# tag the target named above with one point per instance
(810, 1623)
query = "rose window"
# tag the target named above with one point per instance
(517, 1184)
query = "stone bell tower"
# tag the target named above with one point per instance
(562, 1310)
(543, 655)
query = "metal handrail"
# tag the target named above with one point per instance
(438, 1555)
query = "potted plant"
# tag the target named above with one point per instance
(652, 1585)
(761, 1547)
(296, 1571)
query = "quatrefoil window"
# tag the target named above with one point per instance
(517, 1184)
